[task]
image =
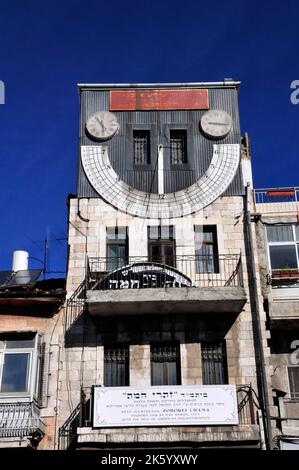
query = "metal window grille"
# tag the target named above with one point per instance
(206, 249)
(165, 364)
(178, 146)
(117, 247)
(141, 140)
(161, 245)
(214, 363)
(116, 365)
(293, 373)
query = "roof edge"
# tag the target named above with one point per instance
(108, 86)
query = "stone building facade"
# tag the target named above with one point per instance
(278, 242)
(163, 297)
(30, 355)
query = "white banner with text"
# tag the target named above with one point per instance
(165, 406)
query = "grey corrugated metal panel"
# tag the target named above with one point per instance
(84, 188)
(227, 100)
(91, 102)
(120, 147)
(236, 188)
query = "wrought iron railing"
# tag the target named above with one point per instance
(75, 305)
(20, 419)
(271, 195)
(80, 417)
(247, 399)
(142, 272)
(67, 433)
(248, 404)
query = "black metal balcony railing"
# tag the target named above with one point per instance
(20, 419)
(139, 272)
(181, 271)
(82, 414)
(75, 306)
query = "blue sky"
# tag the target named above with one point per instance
(48, 46)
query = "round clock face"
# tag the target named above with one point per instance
(106, 182)
(102, 125)
(216, 124)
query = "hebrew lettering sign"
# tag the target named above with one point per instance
(143, 275)
(165, 406)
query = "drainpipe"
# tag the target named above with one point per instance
(261, 370)
(262, 430)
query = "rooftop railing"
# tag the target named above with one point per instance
(271, 195)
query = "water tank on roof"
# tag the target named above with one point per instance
(20, 260)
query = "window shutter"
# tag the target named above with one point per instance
(43, 376)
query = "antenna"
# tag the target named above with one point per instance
(46, 249)
(44, 245)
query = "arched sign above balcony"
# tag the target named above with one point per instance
(143, 275)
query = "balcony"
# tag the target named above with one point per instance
(286, 274)
(188, 284)
(276, 200)
(78, 429)
(20, 419)
(285, 289)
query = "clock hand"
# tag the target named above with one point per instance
(218, 123)
(100, 123)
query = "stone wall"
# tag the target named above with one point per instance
(83, 358)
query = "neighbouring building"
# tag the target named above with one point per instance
(277, 216)
(29, 347)
(165, 331)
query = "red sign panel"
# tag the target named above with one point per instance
(151, 100)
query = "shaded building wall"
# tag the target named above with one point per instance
(52, 335)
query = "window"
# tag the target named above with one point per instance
(17, 354)
(161, 245)
(178, 146)
(141, 145)
(117, 247)
(206, 250)
(165, 364)
(214, 363)
(293, 374)
(116, 365)
(283, 243)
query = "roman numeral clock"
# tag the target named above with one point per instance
(214, 125)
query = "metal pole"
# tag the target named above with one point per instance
(261, 370)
